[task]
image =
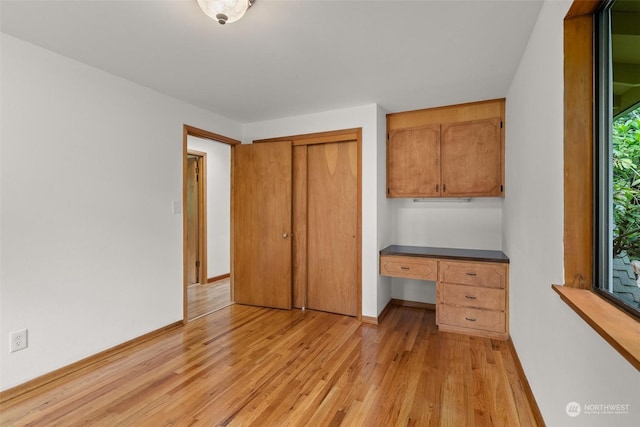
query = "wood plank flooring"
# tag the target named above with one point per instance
(245, 365)
(208, 297)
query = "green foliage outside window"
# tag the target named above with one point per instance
(626, 184)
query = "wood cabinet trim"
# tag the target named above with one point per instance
(503, 336)
(446, 114)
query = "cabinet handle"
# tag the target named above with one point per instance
(444, 188)
(470, 319)
(437, 188)
(472, 274)
(405, 268)
(470, 297)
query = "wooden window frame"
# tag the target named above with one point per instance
(617, 327)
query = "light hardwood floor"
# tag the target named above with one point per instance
(208, 297)
(245, 365)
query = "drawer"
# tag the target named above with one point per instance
(472, 318)
(409, 267)
(492, 275)
(472, 296)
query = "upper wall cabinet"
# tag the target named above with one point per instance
(453, 151)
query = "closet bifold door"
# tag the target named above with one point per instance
(262, 201)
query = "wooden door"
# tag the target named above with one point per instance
(472, 158)
(262, 224)
(191, 212)
(332, 227)
(413, 162)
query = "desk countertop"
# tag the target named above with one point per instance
(447, 253)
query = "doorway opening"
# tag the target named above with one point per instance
(206, 222)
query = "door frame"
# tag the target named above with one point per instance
(344, 135)
(187, 131)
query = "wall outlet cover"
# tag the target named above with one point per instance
(18, 340)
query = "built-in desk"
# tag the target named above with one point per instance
(472, 286)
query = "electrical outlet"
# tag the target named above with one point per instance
(18, 340)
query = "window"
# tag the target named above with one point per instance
(617, 154)
(618, 327)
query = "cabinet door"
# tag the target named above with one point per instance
(472, 158)
(413, 162)
(262, 224)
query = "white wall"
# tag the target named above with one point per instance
(91, 252)
(476, 224)
(373, 231)
(218, 203)
(564, 359)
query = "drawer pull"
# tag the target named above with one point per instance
(470, 297)
(405, 268)
(472, 274)
(470, 319)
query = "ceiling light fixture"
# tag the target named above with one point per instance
(225, 11)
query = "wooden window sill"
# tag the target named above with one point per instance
(617, 327)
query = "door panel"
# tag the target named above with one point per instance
(191, 212)
(332, 190)
(262, 224)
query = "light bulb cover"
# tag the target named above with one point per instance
(224, 11)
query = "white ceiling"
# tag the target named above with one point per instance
(286, 58)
